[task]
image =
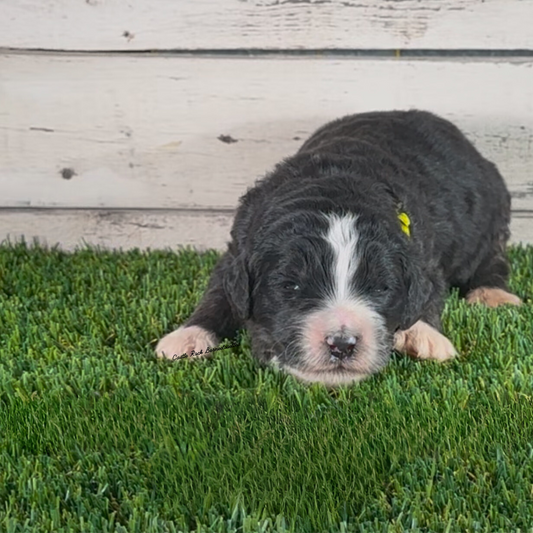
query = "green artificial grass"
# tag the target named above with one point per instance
(97, 435)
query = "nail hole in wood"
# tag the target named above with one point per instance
(67, 173)
(228, 139)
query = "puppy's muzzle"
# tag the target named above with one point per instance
(341, 346)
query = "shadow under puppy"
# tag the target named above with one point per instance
(347, 249)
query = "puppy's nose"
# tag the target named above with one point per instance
(341, 346)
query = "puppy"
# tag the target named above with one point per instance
(347, 249)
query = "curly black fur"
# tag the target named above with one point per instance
(372, 165)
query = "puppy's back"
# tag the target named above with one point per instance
(433, 153)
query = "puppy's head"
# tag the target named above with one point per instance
(323, 293)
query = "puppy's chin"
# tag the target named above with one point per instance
(329, 378)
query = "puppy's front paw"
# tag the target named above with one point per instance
(188, 340)
(424, 342)
(492, 297)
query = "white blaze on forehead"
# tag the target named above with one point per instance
(342, 237)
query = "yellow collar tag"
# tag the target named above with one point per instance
(405, 223)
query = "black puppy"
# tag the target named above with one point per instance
(347, 249)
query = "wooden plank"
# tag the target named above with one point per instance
(144, 132)
(522, 228)
(265, 24)
(71, 228)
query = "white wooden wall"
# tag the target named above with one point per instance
(113, 114)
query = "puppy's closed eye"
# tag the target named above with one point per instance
(380, 289)
(288, 282)
(291, 286)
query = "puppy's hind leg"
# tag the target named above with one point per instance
(488, 285)
(212, 320)
(492, 297)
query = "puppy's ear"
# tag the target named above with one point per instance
(237, 284)
(419, 290)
